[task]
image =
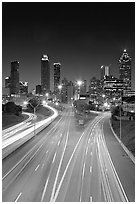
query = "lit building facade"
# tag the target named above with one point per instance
(38, 89)
(64, 91)
(45, 74)
(104, 71)
(14, 78)
(112, 87)
(7, 82)
(83, 88)
(70, 92)
(56, 76)
(125, 70)
(23, 89)
(95, 86)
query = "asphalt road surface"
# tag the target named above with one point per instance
(68, 163)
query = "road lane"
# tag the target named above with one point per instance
(68, 164)
(48, 143)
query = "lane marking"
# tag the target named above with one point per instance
(83, 170)
(90, 169)
(45, 187)
(57, 175)
(86, 150)
(54, 157)
(43, 194)
(37, 167)
(96, 120)
(18, 197)
(90, 198)
(58, 142)
(29, 152)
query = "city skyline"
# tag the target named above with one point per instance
(80, 42)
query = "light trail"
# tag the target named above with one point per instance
(38, 127)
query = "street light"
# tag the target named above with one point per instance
(34, 111)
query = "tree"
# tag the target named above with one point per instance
(10, 107)
(18, 110)
(33, 102)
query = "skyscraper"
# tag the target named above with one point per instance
(14, 78)
(23, 87)
(7, 82)
(104, 71)
(125, 70)
(83, 87)
(45, 74)
(56, 76)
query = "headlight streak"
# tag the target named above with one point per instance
(31, 129)
(72, 155)
(106, 173)
(36, 151)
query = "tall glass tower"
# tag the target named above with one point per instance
(14, 78)
(45, 74)
(125, 70)
(56, 76)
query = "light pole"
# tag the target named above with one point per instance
(79, 83)
(34, 111)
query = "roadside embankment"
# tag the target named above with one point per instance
(9, 120)
(127, 132)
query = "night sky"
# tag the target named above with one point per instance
(81, 36)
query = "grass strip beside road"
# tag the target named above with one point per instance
(127, 133)
(9, 120)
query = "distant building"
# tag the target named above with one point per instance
(14, 78)
(104, 71)
(56, 76)
(5, 91)
(7, 82)
(23, 87)
(113, 87)
(83, 88)
(125, 70)
(94, 88)
(45, 74)
(64, 91)
(38, 89)
(70, 92)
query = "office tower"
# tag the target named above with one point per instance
(83, 87)
(112, 87)
(70, 92)
(104, 71)
(23, 87)
(38, 89)
(7, 82)
(95, 86)
(45, 74)
(64, 95)
(125, 70)
(56, 76)
(14, 78)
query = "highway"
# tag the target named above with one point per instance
(68, 163)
